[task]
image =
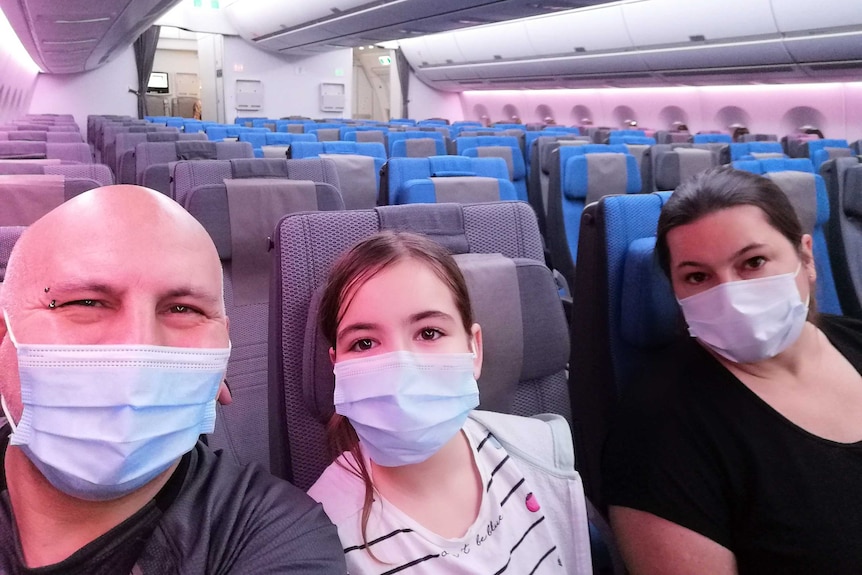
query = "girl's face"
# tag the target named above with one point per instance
(403, 307)
(734, 244)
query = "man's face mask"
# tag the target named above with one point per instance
(101, 421)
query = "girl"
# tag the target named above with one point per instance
(421, 481)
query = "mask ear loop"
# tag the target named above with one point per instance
(2, 398)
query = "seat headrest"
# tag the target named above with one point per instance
(196, 150)
(523, 340)
(649, 308)
(592, 176)
(801, 190)
(853, 201)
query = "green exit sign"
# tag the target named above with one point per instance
(384, 60)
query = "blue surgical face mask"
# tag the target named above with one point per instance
(405, 406)
(748, 321)
(101, 421)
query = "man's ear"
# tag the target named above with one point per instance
(332, 355)
(476, 332)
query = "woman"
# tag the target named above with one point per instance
(739, 451)
(420, 480)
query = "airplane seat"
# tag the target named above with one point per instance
(807, 193)
(301, 380)
(505, 147)
(752, 166)
(712, 138)
(829, 153)
(290, 126)
(398, 171)
(8, 238)
(759, 138)
(625, 309)
(843, 179)
(456, 190)
(856, 147)
(599, 134)
(415, 144)
(286, 138)
(23, 149)
(99, 173)
(326, 134)
(257, 141)
(358, 163)
(126, 143)
(740, 149)
(189, 175)
(240, 216)
(64, 137)
(580, 176)
(763, 165)
(676, 165)
(375, 135)
(27, 197)
(154, 160)
(540, 173)
(31, 135)
(672, 137)
(641, 149)
(795, 145)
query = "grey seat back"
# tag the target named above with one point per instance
(300, 375)
(240, 216)
(27, 197)
(674, 166)
(8, 236)
(154, 160)
(189, 175)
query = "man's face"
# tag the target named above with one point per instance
(134, 273)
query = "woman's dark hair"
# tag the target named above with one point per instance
(350, 272)
(718, 189)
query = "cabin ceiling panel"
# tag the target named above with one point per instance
(588, 30)
(282, 26)
(716, 56)
(805, 16)
(78, 35)
(663, 22)
(827, 48)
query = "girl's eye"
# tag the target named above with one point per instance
(695, 278)
(430, 334)
(362, 345)
(755, 262)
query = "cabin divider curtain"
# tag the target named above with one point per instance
(404, 80)
(145, 54)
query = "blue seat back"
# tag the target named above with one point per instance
(461, 190)
(582, 175)
(398, 147)
(401, 170)
(712, 139)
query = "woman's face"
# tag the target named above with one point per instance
(403, 307)
(734, 244)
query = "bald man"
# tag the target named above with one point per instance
(114, 344)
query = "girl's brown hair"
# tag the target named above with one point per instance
(350, 272)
